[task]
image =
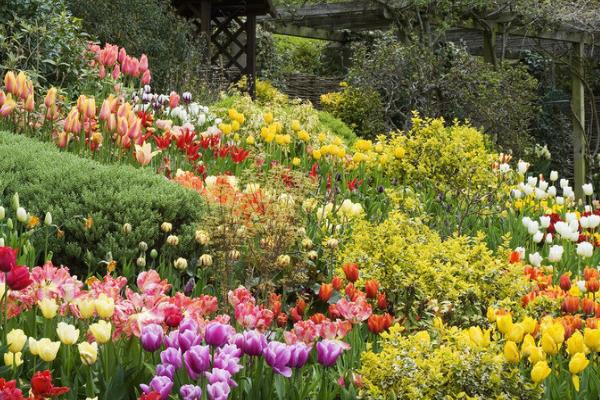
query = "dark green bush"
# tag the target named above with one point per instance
(43, 38)
(73, 189)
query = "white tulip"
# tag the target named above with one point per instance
(21, 215)
(560, 200)
(528, 190)
(544, 221)
(585, 249)
(540, 194)
(564, 183)
(553, 176)
(588, 189)
(551, 191)
(548, 238)
(538, 237)
(522, 167)
(543, 185)
(581, 285)
(532, 181)
(521, 251)
(535, 259)
(555, 253)
(526, 221)
(516, 194)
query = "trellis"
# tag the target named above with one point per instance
(341, 22)
(228, 28)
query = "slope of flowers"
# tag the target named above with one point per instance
(418, 265)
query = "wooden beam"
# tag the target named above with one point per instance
(251, 54)
(289, 29)
(489, 44)
(206, 28)
(578, 113)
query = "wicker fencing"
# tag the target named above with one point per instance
(310, 87)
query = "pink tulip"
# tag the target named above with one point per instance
(102, 72)
(116, 72)
(146, 77)
(50, 99)
(105, 111)
(29, 104)
(143, 63)
(173, 100)
(122, 55)
(7, 108)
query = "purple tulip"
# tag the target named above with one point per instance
(328, 352)
(227, 362)
(231, 350)
(171, 356)
(160, 384)
(218, 391)
(152, 337)
(220, 375)
(190, 392)
(189, 286)
(197, 360)
(217, 334)
(277, 355)
(252, 343)
(188, 325)
(165, 370)
(187, 339)
(172, 340)
(299, 353)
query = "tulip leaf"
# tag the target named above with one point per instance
(116, 388)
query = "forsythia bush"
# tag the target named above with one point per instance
(451, 365)
(456, 278)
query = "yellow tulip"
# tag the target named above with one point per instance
(511, 352)
(88, 352)
(296, 125)
(548, 344)
(304, 136)
(87, 308)
(48, 307)
(101, 331)
(540, 371)
(13, 359)
(591, 338)
(527, 345)
(296, 161)
(578, 363)
(399, 152)
(33, 346)
(316, 154)
(504, 323)
(576, 345)
(557, 331)
(491, 314)
(47, 349)
(268, 117)
(105, 306)
(67, 333)
(250, 140)
(515, 333)
(529, 324)
(16, 339)
(536, 355)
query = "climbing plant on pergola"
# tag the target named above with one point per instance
(494, 29)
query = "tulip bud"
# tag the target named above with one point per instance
(166, 227)
(180, 264)
(141, 262)
(233, 255)
(202, 237)
(172, 240)
(205, 260)
(143, 246)
(15, 201)
(2, 213)
(21, 215)
(48, 219)
(127, 228)
(153, 253)
(565, 282)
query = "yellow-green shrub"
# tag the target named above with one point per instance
(446, 366)
(456, 278)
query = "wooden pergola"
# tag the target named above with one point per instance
(492, 38)
(229, 30)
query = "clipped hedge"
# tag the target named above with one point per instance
(73, 189)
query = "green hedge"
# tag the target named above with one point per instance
(72, 189)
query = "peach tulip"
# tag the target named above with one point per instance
(10, 81)
(144, 153)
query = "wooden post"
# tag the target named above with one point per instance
(205, 27)
(578, 113)
(251, 54)
(489, 44)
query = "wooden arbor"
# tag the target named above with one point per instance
(492, 38)
(229, 29)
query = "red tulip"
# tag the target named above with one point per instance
(592, 285)
(570, 304)
(18, 278)
(382, 301)
(337, 283)
(281, 320)
(333, 312)
(351, 272)
(325, 292)
(41, 385)
(588, 306)
(301, 306)
(8, 258)
(565, 282)
(318, 318)
(371, 288)
(379, 323)
(173, 316)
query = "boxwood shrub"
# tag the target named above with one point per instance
(74, 189)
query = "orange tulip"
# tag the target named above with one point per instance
(50, 99)
(325, 292)
(371, 288)
(10, 81)
(379, 323)
(351, 271)
(29, 103)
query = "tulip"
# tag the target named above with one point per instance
(371, 288)
(190, 392)
(325, 292)
(205, 260)
(549, 345)
(144, 153)
(591, 338)
(585, 249)
(180, 264)
(18, 278)
(146, 77)
(86, 307)
(7, 107)
(47, 349)
(351, 272)
(165, 370)
(251, 342)
(33, 346)
(570, 304)
(592, 285)
(197, 361)
(15, 339)
(540, 371)
(328, 352)
(10, 81)
(105, 306)
(588, 306)
(217, 334)
(50, 98)
(67, 334)
(159, 384)
(8, 258)
(29, 104)
(13, 360)
(588, 189)
(511, 352)
(578, 363)
(101, 331)
(536, 354)
(173, 100)
(48, 307)
(504, 323)
(88, 352)
(565, 282)
(555, 253)
(171, 356)
(218, 391)
(277, 355)
(152, 337)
